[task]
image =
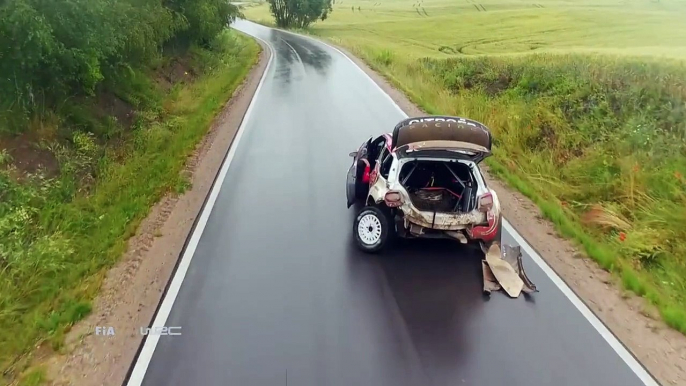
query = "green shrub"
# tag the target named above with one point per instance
(54, 50)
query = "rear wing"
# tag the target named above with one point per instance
(444, 129)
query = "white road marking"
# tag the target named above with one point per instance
(300, 60)
(145, 356)
(609, 337)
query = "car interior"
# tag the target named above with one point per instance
(440, 186)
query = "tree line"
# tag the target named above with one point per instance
(55, 49)
(299, 13)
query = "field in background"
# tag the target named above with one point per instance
(587, 102)
(438, 28)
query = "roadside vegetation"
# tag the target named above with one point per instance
(587, 102)
(299, 13)
(101, 103)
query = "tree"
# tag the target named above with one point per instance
(299, 13)
(205, 18)
(54, 49)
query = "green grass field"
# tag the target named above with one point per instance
(439, 28)
(586, 100)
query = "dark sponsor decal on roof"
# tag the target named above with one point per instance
(439, 119)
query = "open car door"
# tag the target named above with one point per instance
(350, 183)
(351, 179)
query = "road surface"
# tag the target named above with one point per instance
(277, 294)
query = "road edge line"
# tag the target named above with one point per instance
(142, 360)
(622, 351)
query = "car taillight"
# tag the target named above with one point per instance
(365, 174)
(393, 199)
(485, 202)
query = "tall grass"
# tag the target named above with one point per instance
(58, 240)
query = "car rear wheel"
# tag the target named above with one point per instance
(371, 229)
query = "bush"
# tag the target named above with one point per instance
(205, 19)
(53, 50)
(299, 13)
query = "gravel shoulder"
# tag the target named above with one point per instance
(659, 348)
(133, 288)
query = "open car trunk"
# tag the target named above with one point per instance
(439, 186)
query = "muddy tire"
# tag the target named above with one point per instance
(372, 230)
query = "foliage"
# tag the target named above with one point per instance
(299, 13)
(53, 50)
(64, 64)
(205, 19)
(56, 239)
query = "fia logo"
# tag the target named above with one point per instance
(107, 331)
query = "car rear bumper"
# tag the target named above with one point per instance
(463, 231)
(442, 221)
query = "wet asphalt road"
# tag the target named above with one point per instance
(278, 295)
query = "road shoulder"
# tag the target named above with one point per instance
(659, 348)
(132, 289)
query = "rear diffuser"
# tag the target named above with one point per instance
(503, 269)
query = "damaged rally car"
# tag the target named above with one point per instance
(423, 181)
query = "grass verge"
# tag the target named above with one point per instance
(595, 139)
(60, 235)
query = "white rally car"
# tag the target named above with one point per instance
(423, 181)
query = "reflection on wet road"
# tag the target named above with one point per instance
(277, 294)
